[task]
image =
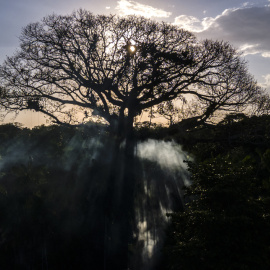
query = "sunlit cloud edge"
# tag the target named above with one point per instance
(195, 25)
(128, 7)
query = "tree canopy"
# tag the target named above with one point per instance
(81, 66)
(225, 222)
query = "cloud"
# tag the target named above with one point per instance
(266, 54)
(266, 83)
(193, 24)
(247, 49)
(246, 27)
(267, 79)
(245, 4)
(189, 23)
(128, 7)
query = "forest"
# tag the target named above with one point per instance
(53, 192)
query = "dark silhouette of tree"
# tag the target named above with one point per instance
(79, 67)
(260, 105)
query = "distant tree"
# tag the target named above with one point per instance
(180, 110)
(168, 111)
(260, 105)
(78, 67)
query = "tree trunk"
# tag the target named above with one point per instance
(119, 206)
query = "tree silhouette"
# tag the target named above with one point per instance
(81, 66)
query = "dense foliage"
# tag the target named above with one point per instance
(52, 185)
(45, 197)
(226, 223)
(60, 207)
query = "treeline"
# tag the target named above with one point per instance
(52, 196)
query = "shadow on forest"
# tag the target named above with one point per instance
(60, 208)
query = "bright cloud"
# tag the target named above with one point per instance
(247, 49)
(245, 4)
(189, 23)
(266, 54)
(193, 24)
(266, 83)
(246, 27)
(267, 79)
(128, 7)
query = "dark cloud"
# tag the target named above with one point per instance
(246, 28)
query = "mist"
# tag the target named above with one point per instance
(68, 173)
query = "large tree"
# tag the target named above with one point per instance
(77, 67)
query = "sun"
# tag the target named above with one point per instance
(132, 48)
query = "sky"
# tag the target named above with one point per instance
(245, 25)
